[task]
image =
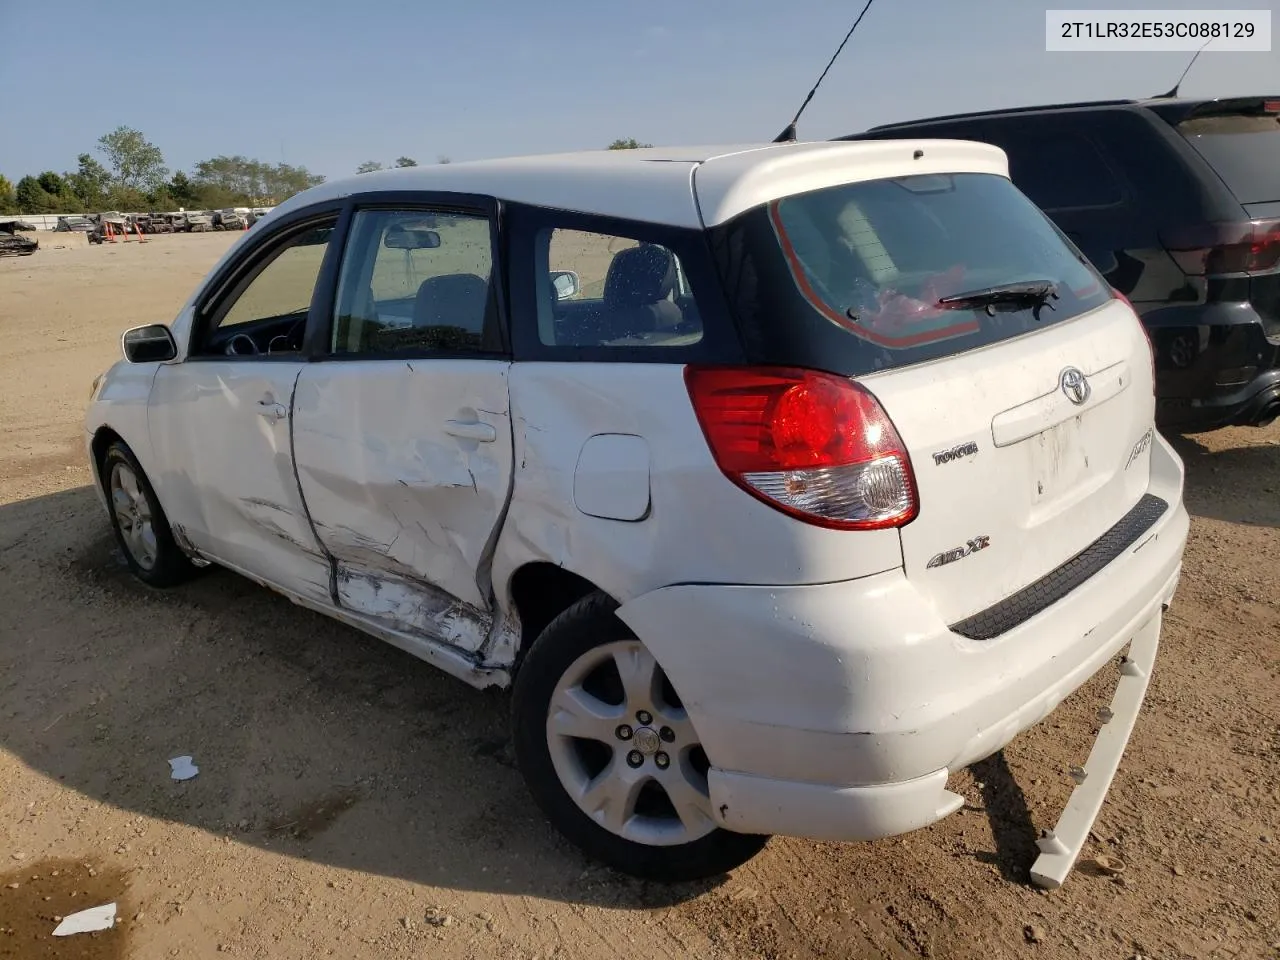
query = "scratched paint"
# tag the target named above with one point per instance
(413, 607)
(406, 470)
(279, 521)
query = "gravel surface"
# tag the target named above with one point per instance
(352, 801)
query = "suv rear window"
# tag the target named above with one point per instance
(1244, 150)
(851, 278)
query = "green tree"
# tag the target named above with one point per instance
(8, 201)
(369, 166)
(284, 180)
(52, 183)
(127, 199)
(230, 181)
(629, 144)
(136, 162)
(47, 192)
(33, 198)
(406, 162)
(161, 199)
(181, 189)
(90, 184)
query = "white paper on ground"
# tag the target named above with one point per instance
(182, 768)
(87, 921)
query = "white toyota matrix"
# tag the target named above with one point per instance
(779, 482)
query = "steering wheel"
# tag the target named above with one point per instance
(291, 340)
(242, 345)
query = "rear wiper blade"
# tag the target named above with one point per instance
(1031, 292)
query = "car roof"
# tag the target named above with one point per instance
(677, 186)
(1171, 108)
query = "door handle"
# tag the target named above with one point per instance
(471, 430)
(271, 410)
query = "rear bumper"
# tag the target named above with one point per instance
(1215, 366)
(837, 711)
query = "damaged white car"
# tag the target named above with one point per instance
(779, 482)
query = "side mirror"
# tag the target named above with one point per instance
(566, 283)
(153, 343)
(404, 238)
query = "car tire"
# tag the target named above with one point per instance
(141, 527)
(581, 659)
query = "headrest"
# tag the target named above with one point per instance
(639, 276)
(454, 299)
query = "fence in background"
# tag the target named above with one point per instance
(41, 221)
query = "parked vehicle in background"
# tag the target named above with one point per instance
(12, 241)
(156, 223)
(228, 220)
(74, 224)
(781, 482)
(199, 221)
(1177, 202)
(257, 213)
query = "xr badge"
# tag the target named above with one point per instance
(959, 553)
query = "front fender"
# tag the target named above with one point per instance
(119, 404)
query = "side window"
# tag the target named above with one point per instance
(605, 290)
(415, 281)
(1062, 173)
(268, 314)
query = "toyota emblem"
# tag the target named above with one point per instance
(1075, 385)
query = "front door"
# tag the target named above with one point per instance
(220, 420)
(402, 432)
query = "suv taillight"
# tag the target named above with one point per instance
(1252, 246)
(1146, 334)
(814, 445)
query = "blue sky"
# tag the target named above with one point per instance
(329, 84)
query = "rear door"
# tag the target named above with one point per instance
(402, 431)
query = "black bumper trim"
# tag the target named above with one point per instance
(1039, 596)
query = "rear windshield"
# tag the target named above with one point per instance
(852, 278)
(1244, 150)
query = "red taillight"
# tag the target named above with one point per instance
(812, 444)
(1146, 335)
(1215, 248)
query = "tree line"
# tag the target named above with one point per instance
(134, 177)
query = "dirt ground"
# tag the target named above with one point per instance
(353, 802)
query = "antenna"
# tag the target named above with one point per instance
(1174, 92)
(789, 134)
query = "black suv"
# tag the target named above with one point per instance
(1177, 202)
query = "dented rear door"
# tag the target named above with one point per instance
(402, 432)
(405, 467)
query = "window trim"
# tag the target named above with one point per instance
(427, 202)
(230, 281)
(720, 342)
